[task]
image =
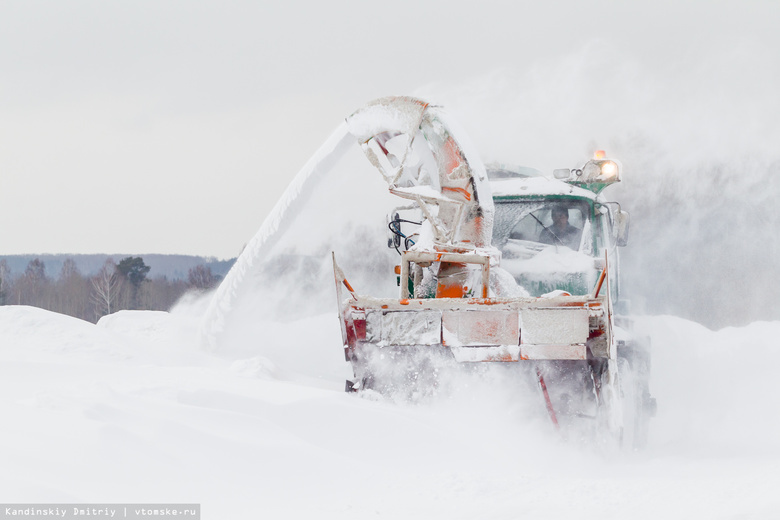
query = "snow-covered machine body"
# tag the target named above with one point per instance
(496, 265)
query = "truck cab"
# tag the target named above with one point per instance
(555, 234)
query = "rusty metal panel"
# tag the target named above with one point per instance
(578, 351)
(557, 326)
(473, 327)
(504, 353)
(373, 326)
(403, 328)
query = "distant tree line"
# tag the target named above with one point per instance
(172, 266)
(116, 286)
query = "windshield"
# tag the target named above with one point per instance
(523, 228)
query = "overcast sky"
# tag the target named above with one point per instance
(173, 127)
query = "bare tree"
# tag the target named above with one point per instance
(5, 281)
(72, 292)
(32, 288)
(164, 293)
(200, 277)
(105, 289)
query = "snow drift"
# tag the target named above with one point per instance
(122, 412)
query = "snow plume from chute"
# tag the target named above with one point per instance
(285, 272)
(698, 144)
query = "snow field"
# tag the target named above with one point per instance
(133, 410)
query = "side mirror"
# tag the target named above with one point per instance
(621, 227)
(562, 173)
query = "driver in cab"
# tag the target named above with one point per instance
(561, 233)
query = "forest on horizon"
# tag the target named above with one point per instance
(89, 287)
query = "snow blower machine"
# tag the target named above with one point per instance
(497, 265)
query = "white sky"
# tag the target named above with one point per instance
(173, 127)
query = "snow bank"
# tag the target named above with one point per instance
(82, 423)
(715, 388)
(35, 332)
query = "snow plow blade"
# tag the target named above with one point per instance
(480, 329)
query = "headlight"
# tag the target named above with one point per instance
(596, 174)
(608, 170)
(601, 171)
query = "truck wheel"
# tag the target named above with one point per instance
(637, 403)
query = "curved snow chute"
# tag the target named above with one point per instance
(414, 146)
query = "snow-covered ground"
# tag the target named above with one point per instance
(134, 410)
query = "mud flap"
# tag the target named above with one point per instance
(548, 402)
